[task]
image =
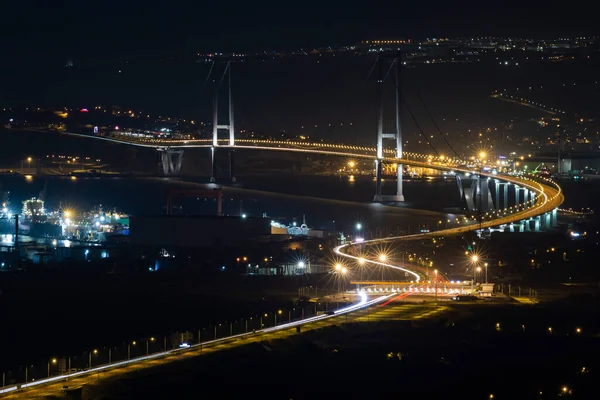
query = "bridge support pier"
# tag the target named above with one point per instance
(485, 202)
(537, 223)
(171, 161)
(546, 221)
(521, 226)
(213, 173)
(517, 194)
(231, 166)
(378, 186)
(554, 217)
(525, 195)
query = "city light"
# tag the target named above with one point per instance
(344, 270)
(482, 155)
(301, 264)
(351, 164)
(382, 257)
(358, 226)
(474, 258)
(361, 261)
(338, 267)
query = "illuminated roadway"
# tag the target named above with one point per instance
(549, 197)
(548, 194)
(53, 385)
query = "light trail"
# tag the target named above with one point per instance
(548, 199)
(338, 250)
(363, 303)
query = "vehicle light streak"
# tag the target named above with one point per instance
(338, 251)
(363, 303)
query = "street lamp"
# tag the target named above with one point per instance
(95, 351)
(343, 271)
(53, 361)
(29, 162)
(382, 257)
(129, 349)
(474, 258)
(358, 226)
(486, 269)
(435, 271)
(351, 164)
(338, 267)
(147, 341)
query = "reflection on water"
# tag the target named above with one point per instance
(9, 240)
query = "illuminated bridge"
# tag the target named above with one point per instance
(518, 203)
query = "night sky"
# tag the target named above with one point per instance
(43, 30)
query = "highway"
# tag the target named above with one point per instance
(549, 197)
(53, 385)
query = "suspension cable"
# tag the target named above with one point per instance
(435, 124)
(419, 126)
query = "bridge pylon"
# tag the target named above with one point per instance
(392, 62)
(230, 127)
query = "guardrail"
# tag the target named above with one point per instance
(112, 364)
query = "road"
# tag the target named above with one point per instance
(53, 385)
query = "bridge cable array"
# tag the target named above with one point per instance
(419, 126)
(435, 124)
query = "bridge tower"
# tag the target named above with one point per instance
(392, 62)
(229, 126)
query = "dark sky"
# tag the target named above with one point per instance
(46, 28)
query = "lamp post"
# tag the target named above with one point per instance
(382, 258)
(358, 227)
(474, 260)
(129, 349)
(435, 271)
(95, 351)
(338, 268)
(147, 341)
(53, 361)
(486, 268)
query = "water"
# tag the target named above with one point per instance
(327, 202)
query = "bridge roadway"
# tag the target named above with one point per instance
(333, 149)
(549, 197)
